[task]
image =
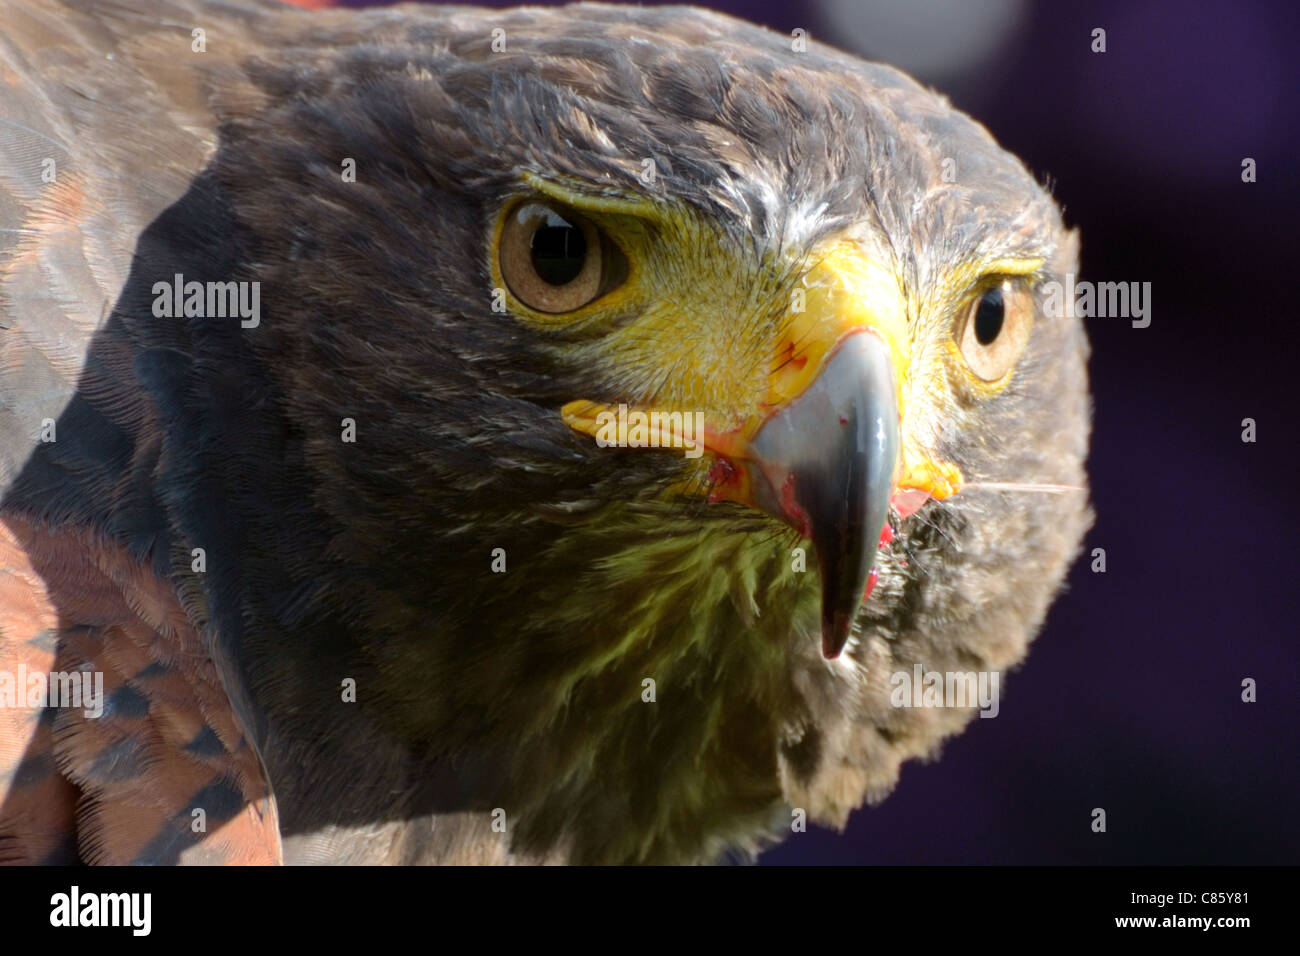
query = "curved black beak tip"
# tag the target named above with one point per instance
(825, 465)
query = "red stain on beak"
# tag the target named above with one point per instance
(790, 505)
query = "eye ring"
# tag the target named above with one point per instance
(554, 260)
(995, 327)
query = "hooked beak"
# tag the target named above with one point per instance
(825, 464)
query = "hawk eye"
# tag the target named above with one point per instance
(555, 260)
(994, 329)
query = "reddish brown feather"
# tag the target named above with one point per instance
(99, 609)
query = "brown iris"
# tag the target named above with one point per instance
(995, 327)
(555, 260)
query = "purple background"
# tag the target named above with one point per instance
(1130, 699)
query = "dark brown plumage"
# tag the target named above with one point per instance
(326, 561)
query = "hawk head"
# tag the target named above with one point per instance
(646, 398)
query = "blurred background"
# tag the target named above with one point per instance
(1130, 699)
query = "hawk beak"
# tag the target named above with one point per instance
(826, 454)
(825, 465)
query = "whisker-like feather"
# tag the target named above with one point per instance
(1020, 486)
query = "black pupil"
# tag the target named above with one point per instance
(989, 316)
(559, 250)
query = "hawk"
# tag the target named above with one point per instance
(536, 435)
